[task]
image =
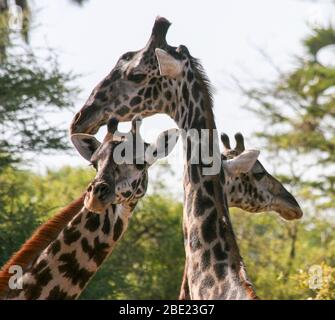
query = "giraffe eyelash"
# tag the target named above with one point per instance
(94, 165)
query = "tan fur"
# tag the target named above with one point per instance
(40, 239)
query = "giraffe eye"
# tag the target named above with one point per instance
(94, 165)
(139, 77)
(127, 56)
(258, 175)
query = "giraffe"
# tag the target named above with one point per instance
(163, 79)
(62, 256)
(253, 191)
(257, 190)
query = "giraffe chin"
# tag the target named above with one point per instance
(287, 206)
(94, 205)
(291, 214)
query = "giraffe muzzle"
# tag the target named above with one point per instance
(288, 206)
(98, 197)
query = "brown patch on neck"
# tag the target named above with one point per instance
(40, 239)
(250, 291)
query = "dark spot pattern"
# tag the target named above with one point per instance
(123, 110)
(71, 234)
(196, 91)
(208, 227)
(205, 260)
(90, 145)
(220, 270)
(194, 173)
(42, 276)
(219, 253)
(209, 187)
(115, 75)
(185, 93)
(58, 294)
(202, 203)
(107, 225)
(168, 95)
(207, 283)
(118, 228)
(97, 252)
(93, 221)
(155, 93)
(77, 219)
(126, 194)
(190, 76)
(55, 247)
(134, 101)
(147, 93)
(71, 269)
(32, 291)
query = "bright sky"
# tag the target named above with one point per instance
(225, 35)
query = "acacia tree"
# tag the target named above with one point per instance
(298, 112)
(31, 89)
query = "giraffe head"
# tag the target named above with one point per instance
(256, 190)
(144, 82)
(121, 161)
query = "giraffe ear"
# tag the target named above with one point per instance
(163, 146)
(86, 144)
(168, 66)
(242, 163)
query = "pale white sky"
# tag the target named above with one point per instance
(225, 35)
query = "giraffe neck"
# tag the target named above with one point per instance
(214, 267)
(65, 266)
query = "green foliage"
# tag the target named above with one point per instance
(321, 278)
(19, 212)
(26, 200)
(32, 89)
(29, 94)
(320, 38)
(148, 262)
(298, 112)
(277, 252)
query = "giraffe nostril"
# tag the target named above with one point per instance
(101, 188)
(89, 189)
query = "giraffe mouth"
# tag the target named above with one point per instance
(288, 210)
(93, 204)
(291, 214)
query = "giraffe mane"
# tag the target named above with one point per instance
(39, 240)
(206, 88)
(220, 202)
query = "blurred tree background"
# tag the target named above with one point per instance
(298, 113)
(285, 260)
